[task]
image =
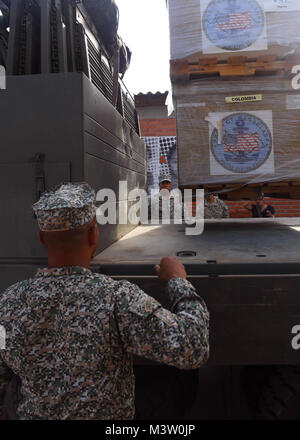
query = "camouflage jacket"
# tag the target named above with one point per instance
(70, 336)
(217, 209)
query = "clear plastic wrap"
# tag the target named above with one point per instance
(223, 28)
(237, 131)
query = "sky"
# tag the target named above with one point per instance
(144, 28)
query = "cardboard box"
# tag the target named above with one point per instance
(224, 28)
(237, 132)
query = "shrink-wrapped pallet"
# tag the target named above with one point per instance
(237, 131)
(224, 28)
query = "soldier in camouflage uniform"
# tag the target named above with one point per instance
(214, 207)
(71, 333)
(161, 199)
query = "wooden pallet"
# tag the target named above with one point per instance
(239, 191)
(182, 71)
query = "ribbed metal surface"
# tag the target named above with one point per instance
(100, 75)
(129, 111)
(102, 78)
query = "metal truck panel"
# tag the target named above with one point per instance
(225, 241)
(247, 271)
(46, 140)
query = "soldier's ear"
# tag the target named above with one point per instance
(41, 237)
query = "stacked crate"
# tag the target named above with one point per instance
(235, 94)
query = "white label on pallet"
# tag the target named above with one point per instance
(192, 104)
(229, 26)
(293, 102)
(281, 5)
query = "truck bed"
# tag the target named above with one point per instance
(237, 243)
(247, 271)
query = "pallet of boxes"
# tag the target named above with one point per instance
(234, 78)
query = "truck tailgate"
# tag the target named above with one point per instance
(246, 270)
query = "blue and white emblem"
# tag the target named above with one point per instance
(233, 24)
(246, 143)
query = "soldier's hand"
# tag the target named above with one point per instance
(170, 268)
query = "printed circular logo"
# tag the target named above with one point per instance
(233, 24)
(246, 143)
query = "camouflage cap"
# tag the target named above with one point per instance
(207, 193)
(165, 178)
(66, 207)
(260, 196)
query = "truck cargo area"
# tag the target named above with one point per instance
(224, 242)
(246, 270)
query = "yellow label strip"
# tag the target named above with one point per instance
(246, 98)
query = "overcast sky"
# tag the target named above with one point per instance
(144, 28)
